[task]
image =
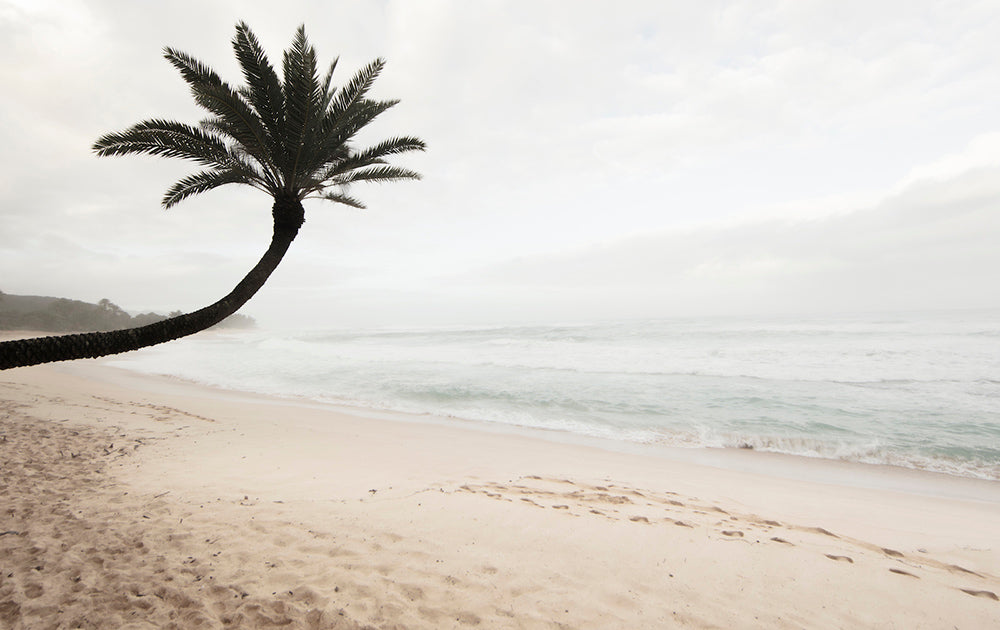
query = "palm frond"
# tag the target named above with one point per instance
(240, 156)
(216, 96)
(339, 197)
(339, 129)
(392, 146)
(380, 173)
(340, 167)
(303, 99)
(263, 89)
(328, 92)
(201, 182)
(165, 138)
(358, 86)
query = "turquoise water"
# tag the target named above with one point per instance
(915, 390)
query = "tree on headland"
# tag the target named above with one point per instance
(291, 137)
(61, 315)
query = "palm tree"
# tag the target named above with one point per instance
(292, 138)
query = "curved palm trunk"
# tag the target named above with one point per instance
(288, 217)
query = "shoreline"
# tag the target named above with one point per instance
(818, 469)
(888, 467)
(406, 523)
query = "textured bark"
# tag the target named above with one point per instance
(288, 217)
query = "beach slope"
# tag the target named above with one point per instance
(135, 502)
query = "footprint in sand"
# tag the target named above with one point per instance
(33, 590)
(958, 569)
(986, 594)
(840, 558)
(820, 530)
(902, 572)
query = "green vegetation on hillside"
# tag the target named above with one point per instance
(50, 314)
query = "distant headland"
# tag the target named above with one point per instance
(53, 314)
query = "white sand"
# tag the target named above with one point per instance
(130, 501)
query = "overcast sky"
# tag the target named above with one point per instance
(586, 160)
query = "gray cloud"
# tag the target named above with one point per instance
(931, 245)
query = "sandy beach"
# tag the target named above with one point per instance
(129, 501)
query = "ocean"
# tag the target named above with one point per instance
(915, 390)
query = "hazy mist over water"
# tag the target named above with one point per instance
(920, 390)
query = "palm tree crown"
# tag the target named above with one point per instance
(289, 137)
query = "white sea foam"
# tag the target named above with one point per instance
(918, 390)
